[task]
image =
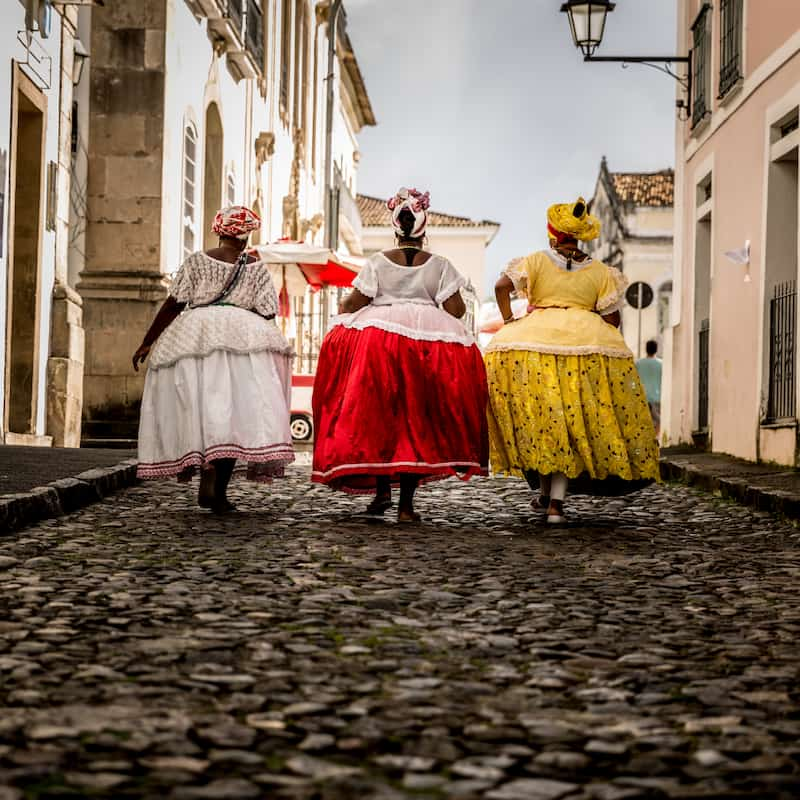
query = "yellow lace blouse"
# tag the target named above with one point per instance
(569, 303)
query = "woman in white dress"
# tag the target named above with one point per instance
(218, 382)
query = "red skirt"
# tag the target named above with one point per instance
(387, 404)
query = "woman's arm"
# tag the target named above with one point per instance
(169, 310)
(502, 293)
(353, 302)
(614, 318)
(455, 305)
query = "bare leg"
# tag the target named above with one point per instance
(383, 496)
(405, 510)
(539, 483)
(205, 492)
(223, 468)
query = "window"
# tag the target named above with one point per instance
(301, 66)
(701, 53)
(286, 53)
(189, 189)
(730, 72)
(230, 189)
(255, 33)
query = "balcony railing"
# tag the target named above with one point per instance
(781, 403)
(702, 375)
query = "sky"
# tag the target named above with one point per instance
(488, 105)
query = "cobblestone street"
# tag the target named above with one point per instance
(148, 649)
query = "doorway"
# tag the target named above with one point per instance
(212, 173)
(24, 255)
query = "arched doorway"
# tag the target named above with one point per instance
(212, 173)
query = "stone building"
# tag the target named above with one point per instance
(462, 240)
(733, 341)
(195, 104)
(41, 357)
(636, 209)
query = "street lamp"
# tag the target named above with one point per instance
(79, 59)
(587, 23)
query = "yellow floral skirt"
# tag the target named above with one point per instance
(583, 415)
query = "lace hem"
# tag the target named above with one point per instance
(445, 294)
(463, 470)
(254, 455)
(173, 359)
(615, 295)
(464, 339)
(517, 273)
(561, 350)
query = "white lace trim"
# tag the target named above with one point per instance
(464, 339)
(164, 363)
(561, 350)
(450, 289)
(612, 299)
(561, 262)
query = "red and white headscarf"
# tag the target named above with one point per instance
(236, 222)
(417, 203)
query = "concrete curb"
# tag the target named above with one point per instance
(751, 492)
(64, 495)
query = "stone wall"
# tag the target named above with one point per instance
(122, 283)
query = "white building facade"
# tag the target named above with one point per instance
(41, 358)
(637, 213)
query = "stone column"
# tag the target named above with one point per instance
(65, 363)
(122, 283)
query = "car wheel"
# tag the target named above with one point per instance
(301, 428)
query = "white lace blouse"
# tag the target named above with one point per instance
(202, 278)
(231, 326)
(388, 283)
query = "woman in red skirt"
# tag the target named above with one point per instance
(400, 394)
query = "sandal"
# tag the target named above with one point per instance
(408, 517)
(555, 513)
(379, 506)
(541, 503)
(222, 507)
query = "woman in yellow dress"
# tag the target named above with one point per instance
(566, 407)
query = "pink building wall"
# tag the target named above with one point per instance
(733, 144)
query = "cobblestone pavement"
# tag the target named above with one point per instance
(651, 650)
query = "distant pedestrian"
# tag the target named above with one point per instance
(566, 407)
(650, 372)
(218, 382)
(400, 391)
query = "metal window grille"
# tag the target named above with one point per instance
(731, 12)
(702, 382)
(286, 25)
(189, 188)
(236, 15)
(782, 336)
(702, 64)
(254, 32)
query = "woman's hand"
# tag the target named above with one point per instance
(140, 355)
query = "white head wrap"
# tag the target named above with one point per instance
(417, 203)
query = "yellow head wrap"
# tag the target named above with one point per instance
(573, 219)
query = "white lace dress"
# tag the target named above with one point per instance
(218, 381)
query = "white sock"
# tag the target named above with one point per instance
(558, 486)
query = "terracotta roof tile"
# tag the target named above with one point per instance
(645, 188)
(375, 214)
